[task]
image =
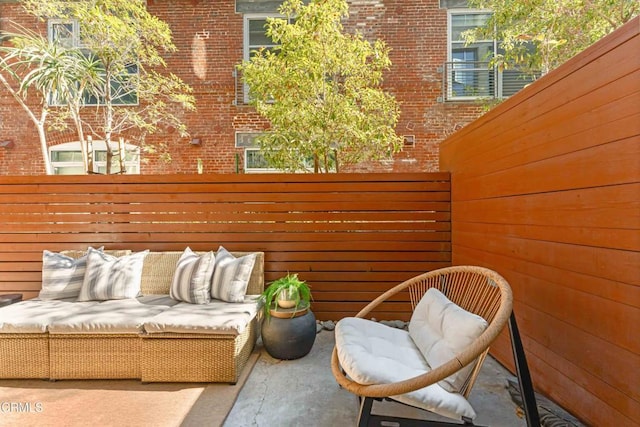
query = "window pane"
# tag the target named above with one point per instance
(122, 89)
(246, 140)
(255, 160)
(257, 36)
(66, 156)
(62, 32)
(463, 22)
(68, 170)
(100, 156)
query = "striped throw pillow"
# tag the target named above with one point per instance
(231, 276)
(192, 278)
(108, 277)
(62, 275)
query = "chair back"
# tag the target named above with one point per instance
(477, 290)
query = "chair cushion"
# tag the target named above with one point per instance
(192, 278)
(123, 316)
(231, 276)
(212, 318)
(109, 277)
(373, 353)
(441, 330)
(35, 315)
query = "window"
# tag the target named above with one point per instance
(255, 38)
(66, 159)
(67, 33)
(254, 161)
(467, 72)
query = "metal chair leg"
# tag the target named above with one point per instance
(524, 377)
(366, 403)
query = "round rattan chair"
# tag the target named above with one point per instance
(477, 290)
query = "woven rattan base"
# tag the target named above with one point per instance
(95, 356)
(24, 356)
(175, 357)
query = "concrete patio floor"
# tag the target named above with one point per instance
(303, 392)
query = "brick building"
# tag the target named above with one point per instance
(435, 78)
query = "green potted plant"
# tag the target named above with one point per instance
(289, 328)
(288, 295)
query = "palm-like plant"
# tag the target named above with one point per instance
(57, 73)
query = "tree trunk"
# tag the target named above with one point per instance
(48, 167)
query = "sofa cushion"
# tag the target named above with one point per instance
(441, 330)
(124, 316)
(192, 278)
(63, 273)
(109, 277)
(214, 317)
(373, 353)
(231, 276)
(35, 315)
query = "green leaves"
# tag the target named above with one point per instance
(294, 287)
(321, 91)
(541, 34)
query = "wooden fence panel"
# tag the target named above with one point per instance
(351, 236)
(546, 191)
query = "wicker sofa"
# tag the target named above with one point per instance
(152, 338)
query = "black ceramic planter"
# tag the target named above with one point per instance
(289, 338)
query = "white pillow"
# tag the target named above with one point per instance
(441, 329)
(108, 277)
(231, 276)
(62, 275)
(192, 278)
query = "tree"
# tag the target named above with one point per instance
(320, 90)
(539, 35)
(127, 93)
(33, 62)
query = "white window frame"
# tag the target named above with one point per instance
(132, 166)
(450, 45)
(247, 47)
(248, 169)
(75, 31)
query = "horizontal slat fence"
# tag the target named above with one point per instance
(351, 236)
(546, 191)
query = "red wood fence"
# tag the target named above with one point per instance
(546, 191)
(351, 236)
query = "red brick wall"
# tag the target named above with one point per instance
(209, 40)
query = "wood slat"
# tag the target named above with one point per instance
(546, 191)
(351, 236)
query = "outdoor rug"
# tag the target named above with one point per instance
(117, 402)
